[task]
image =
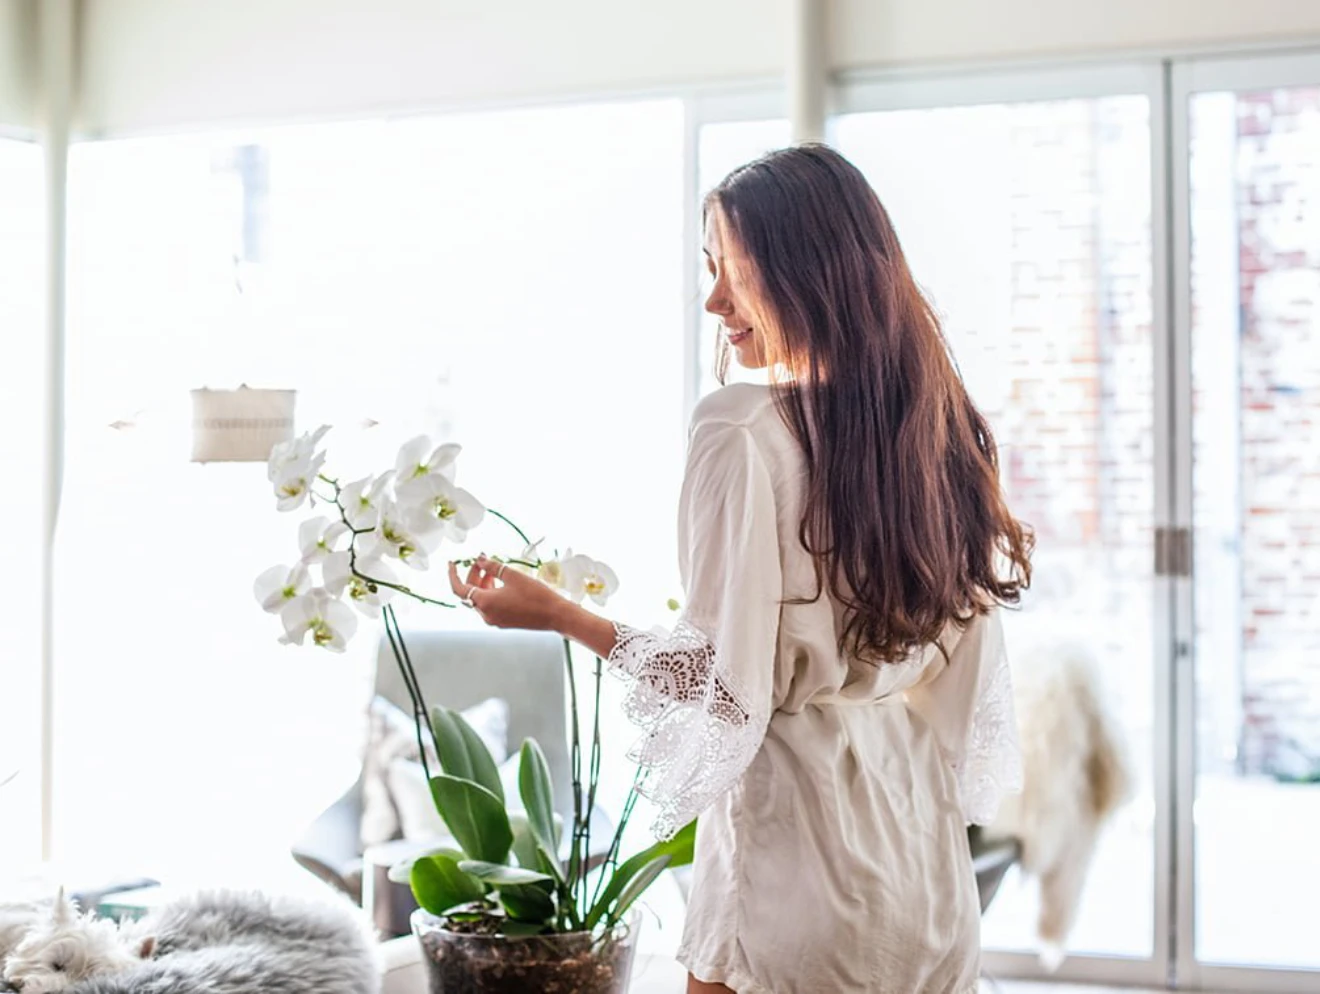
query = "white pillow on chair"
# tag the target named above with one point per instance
(412, 797)
(392, 736)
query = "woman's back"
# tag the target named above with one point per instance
(839, 792)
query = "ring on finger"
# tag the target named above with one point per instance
(499, 574)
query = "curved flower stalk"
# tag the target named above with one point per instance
(515, 872)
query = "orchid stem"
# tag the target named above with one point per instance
(575, 867)
(521, 534)
(421, 716)
(593, 779)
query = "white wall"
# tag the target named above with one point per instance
(157, 63)
(151, 64)
(17, 64)
(912, 32)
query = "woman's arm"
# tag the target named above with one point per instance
(679, 668)
(597, 634)
(515, 600)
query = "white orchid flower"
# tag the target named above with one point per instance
(293, 467)
(433, 502)
(418, 460)
(295, 487)
(586, 577)
(362, 500)
(367, 597)
(329, 621)
(397, 538)
(318, 536)
(284, 455)
(279, 585)
(551, 571)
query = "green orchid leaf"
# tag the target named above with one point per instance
(401, 872)
(530, 855)
(502, 876)
(475, 816)
(439, 885)
(680, 850)
(537, 793)
(524, 843)
(528, 903)
(462, 753)
(636, 887)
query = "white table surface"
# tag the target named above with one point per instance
(657, 975)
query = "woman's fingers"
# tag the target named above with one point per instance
(492, 568)
(459, 586)
(481, 576)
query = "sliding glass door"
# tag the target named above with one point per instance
(1247, 144)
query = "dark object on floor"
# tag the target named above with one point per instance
(91, 898)
(991, 859)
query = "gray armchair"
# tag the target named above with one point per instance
(456, 669)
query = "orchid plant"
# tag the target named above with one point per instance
(511, 872)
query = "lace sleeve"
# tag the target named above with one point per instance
(703, 693)
(991, 761)
(701, 731)
(969, 704)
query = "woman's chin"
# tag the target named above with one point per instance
(753, 361)
(748, 356)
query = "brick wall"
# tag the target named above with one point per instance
(1278, 208)
(1075, 427)
(1076, 424)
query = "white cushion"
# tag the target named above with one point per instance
(412, 797)
(392, 735)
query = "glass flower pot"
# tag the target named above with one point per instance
(461, 962)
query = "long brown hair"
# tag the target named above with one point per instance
(904, 515)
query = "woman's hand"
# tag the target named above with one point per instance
(508, 598)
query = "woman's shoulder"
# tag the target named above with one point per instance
(735, 404)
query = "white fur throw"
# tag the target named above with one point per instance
(215, 943)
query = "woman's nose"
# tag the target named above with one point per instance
(718, 303)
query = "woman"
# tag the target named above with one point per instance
(835, 703)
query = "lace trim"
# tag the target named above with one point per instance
(991, 765)
(700, 732)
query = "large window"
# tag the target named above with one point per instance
(22, 406)
(511, 281)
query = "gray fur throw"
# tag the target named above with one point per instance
(244, 943)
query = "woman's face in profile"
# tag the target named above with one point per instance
(733, 298)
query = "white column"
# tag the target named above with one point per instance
(55, 46)
(808, 70)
